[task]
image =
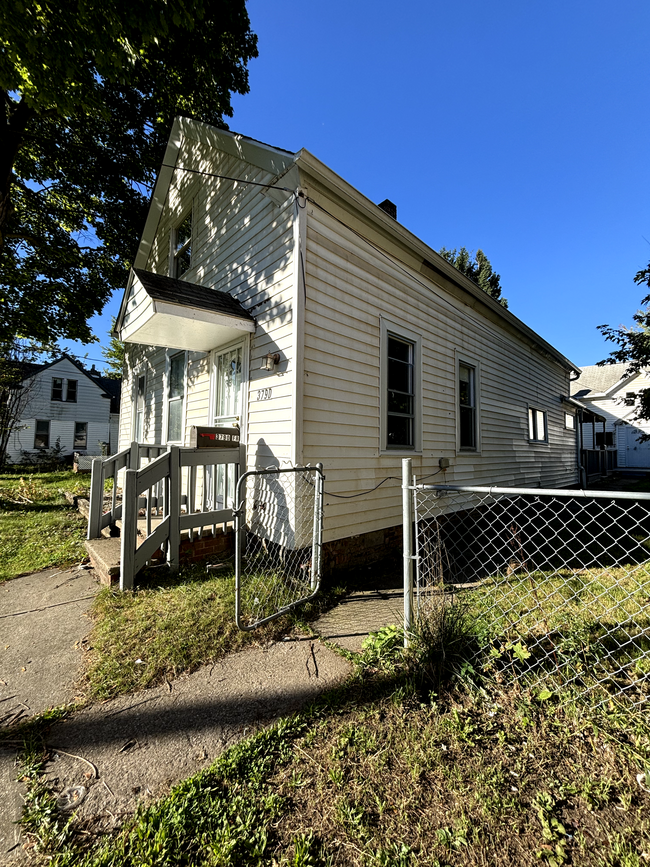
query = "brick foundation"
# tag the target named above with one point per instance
(220, 545)
(363, 550)
(338, 556)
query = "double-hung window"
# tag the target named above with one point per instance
(537, 429)
(467, 427)
(61, 386)
(401, 397)
(182, 247)
(81, 435)
(42, 435)
(175, 397)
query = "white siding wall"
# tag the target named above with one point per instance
(242, 244)
(350, 286)
(90, 407)
(631, 454)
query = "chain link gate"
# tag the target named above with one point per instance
(556, 582)
(279, 530)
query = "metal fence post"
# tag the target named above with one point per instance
(318, 527)
(96, 507)
(129, 529)
(407, 529)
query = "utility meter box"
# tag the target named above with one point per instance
(214, 437)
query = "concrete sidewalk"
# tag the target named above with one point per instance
(133, 748)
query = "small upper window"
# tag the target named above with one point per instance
(71, 394)
(537, 431)
(467, 405)
(57, 388)
(569, 421)
(183, 247)
(630, 398)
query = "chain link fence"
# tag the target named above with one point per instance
(279, 527)
(556, 583)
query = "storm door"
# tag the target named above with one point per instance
(228, 391)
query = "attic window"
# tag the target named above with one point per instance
(182, 247)
(630, 398)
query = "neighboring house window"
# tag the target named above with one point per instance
(57, 389)
(175, 397)
(537, 430)
(569, 421)
(139, 408)
(467, 405)
(81, 434)
(182, 247)
(400, 404)
(630, 398)
(42, 435)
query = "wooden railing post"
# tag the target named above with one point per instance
(129, 529)
(134, 457)
(173, 548)
(96, 507)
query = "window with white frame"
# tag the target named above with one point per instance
(182, 247)
(81, 435)
(175, 397)
(537, 428)
(141, 384)
(569, 421)
(467, 416)
(42, 435)
(64, 389)
(401, 396)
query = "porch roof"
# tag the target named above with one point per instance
(164, 311)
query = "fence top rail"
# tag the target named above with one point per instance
(536, 492)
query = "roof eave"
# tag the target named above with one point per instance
(313, 166)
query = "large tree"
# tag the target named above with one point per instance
(634, 347)
(89, 90)
(478, 268)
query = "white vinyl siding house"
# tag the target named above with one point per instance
(385, 350)
(609, 392)
(67, 405)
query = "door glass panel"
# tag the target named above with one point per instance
(227, 413)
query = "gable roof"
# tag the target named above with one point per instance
(596, 380)
(279, 163)
(112, 388)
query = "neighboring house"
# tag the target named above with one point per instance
(270, 293)
(608, 392)
(67, 404)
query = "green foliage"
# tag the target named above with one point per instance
(477, 269)
(633, 348)
(114, 355)
(89, 92)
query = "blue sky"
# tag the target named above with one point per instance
(517, 128)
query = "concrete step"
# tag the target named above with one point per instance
(105, 557)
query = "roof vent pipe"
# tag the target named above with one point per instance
(389, 207)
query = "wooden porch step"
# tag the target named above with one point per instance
(105, 558)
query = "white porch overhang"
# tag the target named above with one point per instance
(163, 311)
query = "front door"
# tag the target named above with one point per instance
(228, 396)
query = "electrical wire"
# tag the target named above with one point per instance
(383, 481)
(227, 178)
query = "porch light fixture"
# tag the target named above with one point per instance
(270, 360)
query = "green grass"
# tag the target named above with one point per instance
(381, 773)
(155, 633)
(38, 527)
